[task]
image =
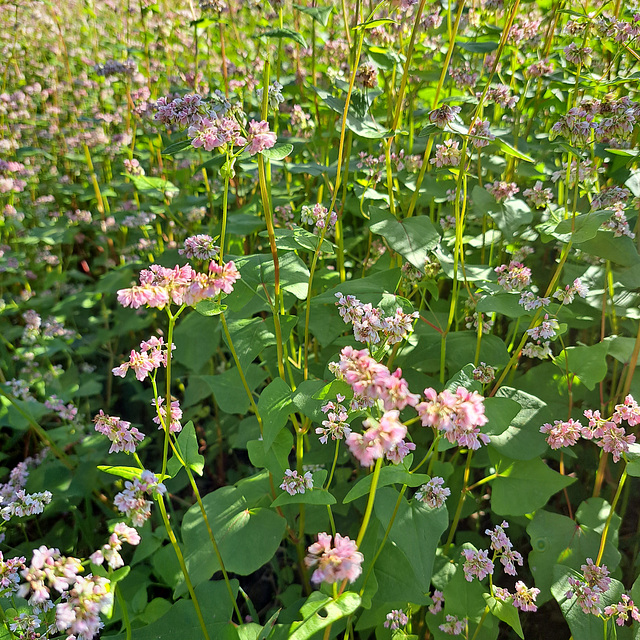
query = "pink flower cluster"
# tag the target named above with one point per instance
(110, 551)
(319, 217)
(294, 483)
(503, 547)
(433, 494)
(538, 196)
(524, 597)
(79, 616)
(371, 325)
(454, 626)
(622, 609)
(607, 433)
(212, 132)
(9, 578)
(175, 426)
(476, 564)
(48, 570)
(336, 424)
(438, 602)
(566, 295)
(383, 438)
(201, 247)
(123, 436)
(501, 190)
(371, 381)
(334, 564)
(259, 137)
(133, 500)
(588, 589)
(396, 618)
(160, 286)
(152, 355)
(183, 111)
(459, 416)
(514, 276)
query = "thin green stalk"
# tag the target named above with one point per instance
(183, 566)
(607, 525)
(384, 538)
(125, 612)
(333, 466)
(245, 384)
(436, 97)
(369, 508)
(268, 216)
(463, 495)
(316, 253)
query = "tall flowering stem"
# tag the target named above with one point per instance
(183, 566)
(372, 495)
(316, 254)
(605, 531)
(443, 75)
(463, 495)
(268, 216)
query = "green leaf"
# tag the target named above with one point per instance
(413, 237)
(210, 308)
(274, 458)
(310, 496)
(176, 147)
(589, 364)
(605, 245)
(181, 620)
(278, 152)
(128, 473)
(416, 532)
(274, 407)
(257, 532)
(395, 474)
(195, 354)
(319, 611)
(285, 33)
(319, 14)
(505, 303)
(478, 47)
(525, 486)
(188, 448)
(512, 151)
(227, 388)
(557, 539)
(151, 184)
(585, 226)
(372, 24)
(506, 612)
(516, 435)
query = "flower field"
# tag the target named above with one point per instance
(319, 320)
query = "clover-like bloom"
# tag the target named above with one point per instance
(433, 494)
(476, 564)
(334, 564)
(259, 137)
(294, 483)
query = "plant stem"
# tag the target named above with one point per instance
(183, 566)
(605, 531)
(463, 495)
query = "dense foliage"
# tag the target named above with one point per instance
(319, 320)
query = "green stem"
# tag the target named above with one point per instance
(370, 501)
(316, 253)
(183, 566)
(245, 384)
(605, 531)
(463, 495)
(125, 612)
